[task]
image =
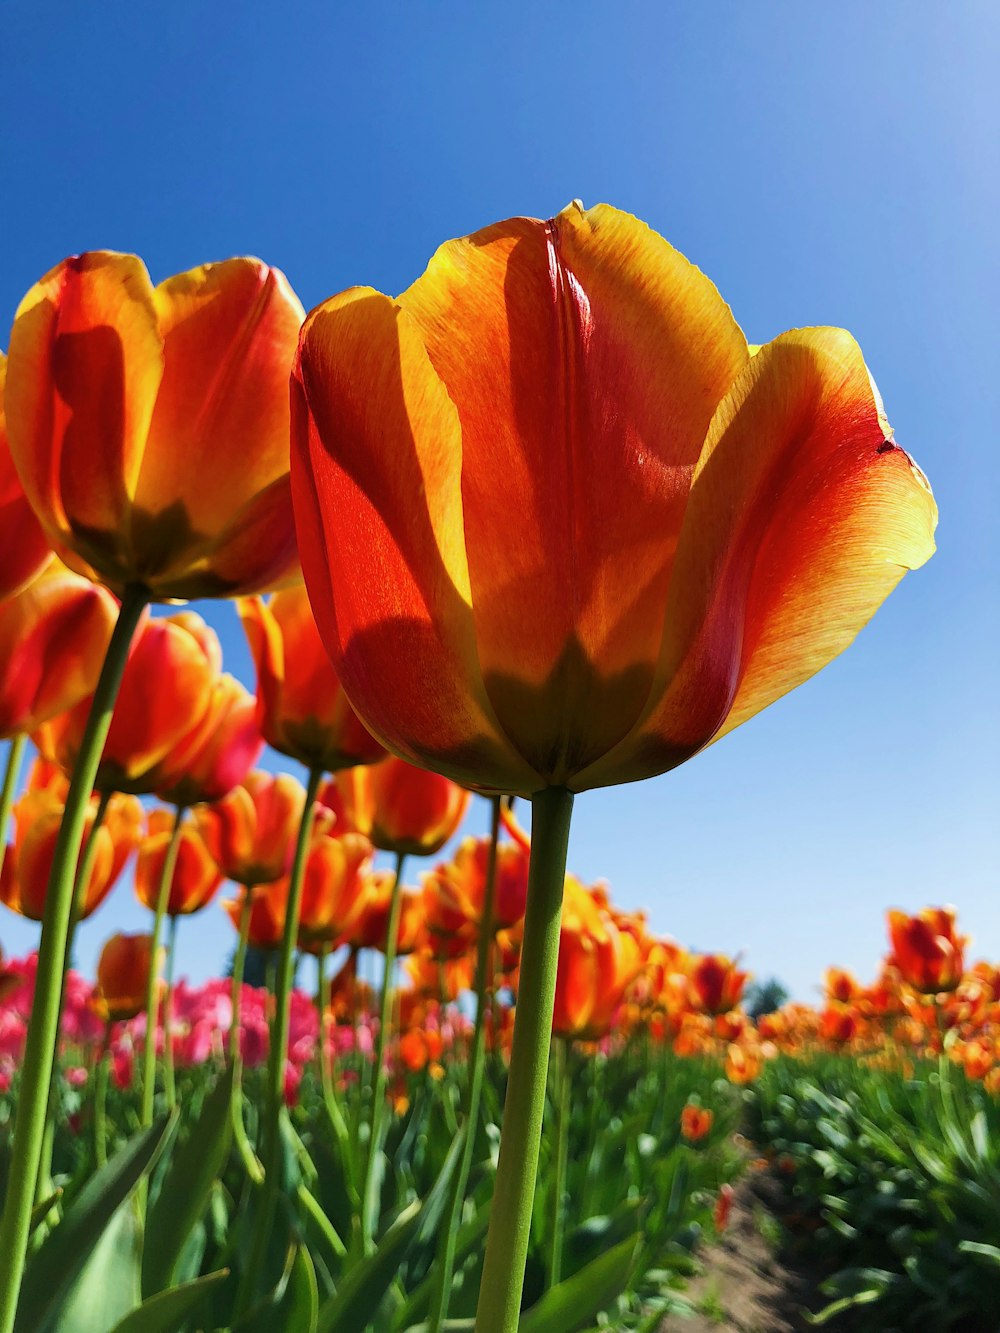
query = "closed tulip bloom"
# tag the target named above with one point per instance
(217, 754)
(250, 833)
(268, 905)
(24, 549)
(927, 949)
(370, 929)
(715, 984)
(196, 878)
(53, 637)
(37, 816)
(333, 887)
(122, 976)
(597, 962)
(149, 425)
(696, 1122)
(455, 892)
(303, 711)
(560, 527)
(165, 692)
(841, 987)
(401, 808)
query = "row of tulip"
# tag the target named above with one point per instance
(699, 525)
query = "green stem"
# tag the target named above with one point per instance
(100, 1099)
(13, 768)
(279, 1047)
(152, 1003)
(239, 963)
(168, 1017)
(562, 1145)
(43, 1029)
(510, 1215)
(473, 1091)
(381, 1043)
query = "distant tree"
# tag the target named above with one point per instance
(763, 997)
(254, 968)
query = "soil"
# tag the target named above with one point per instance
(752, 1282)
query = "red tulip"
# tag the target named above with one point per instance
(196, 878)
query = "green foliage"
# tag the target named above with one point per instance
(899, 1177)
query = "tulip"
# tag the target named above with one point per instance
(715, 984)
(455, 891)
(149, 425)
(196, 877)
(401, 808)
(122, 972)
(53, 636)
(597, 962)
(927, 950)
(250, 833)
(302, 709)
(24, 879)
(696, 1122)
(841, 987)
(695, 531)
(730, 521)
(24, 550)
(723, 1209)
(333, 887)
(371, 930)
(216, 756)
(165, 693)
(267, 914)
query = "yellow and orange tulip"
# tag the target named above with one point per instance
(561, 526)
(24, 549)
(196, 878)
(123, 976)
(302, 709)
(401, 808)
(53, 637)
(927, 949)
(250, 833)
(216, 755)
(149, 425)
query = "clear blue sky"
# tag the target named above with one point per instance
(824, 164)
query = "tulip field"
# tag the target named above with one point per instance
(546, 522)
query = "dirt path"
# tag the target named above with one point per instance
(749, 1284)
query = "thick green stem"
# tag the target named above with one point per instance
(473, 1091)
(381, 1043)
(562, 1145)
(152, 1004)
(168, 1018)
(239, 963)
(279, 1045)
(10, 775)
(43, 1029)
(510, 1215)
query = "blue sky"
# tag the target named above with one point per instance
(835, 164)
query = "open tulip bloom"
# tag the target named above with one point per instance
(562, 527)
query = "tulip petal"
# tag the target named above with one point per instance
(574, 350)
(381, 537)
(804, 515)
(86, 359)
(24, 549)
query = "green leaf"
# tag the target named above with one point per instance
(166, 1311)
(293, 1305)
(68, 1246)
(363, 1289)
(187, 1186)
(110, 1285)
(573, 1303)
(990, 1252)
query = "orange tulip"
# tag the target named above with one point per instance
(268, 904)
(597, 962)
(53, 637)
(456, 890)
(216, 755)
(123, 976)
(371, 926)
(696, 1122)
(302, 709)
(333, 886)
(715, 984)
(444, 978)
(743, 1063)
(841, 986)
(38, 814)
(166, 691)
(561, 526)
(837, 1025)
(926, 948)
(401, 808)
(250, 834)
(149, 425)
(196, 877)
(24, 550)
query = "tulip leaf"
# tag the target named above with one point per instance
(166, 1311)
(362, 1290)
(109, 1287)
(573, 1304)
(293, 1305)
(187, 1187)
(67, 1248)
